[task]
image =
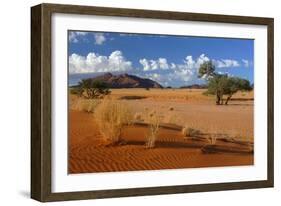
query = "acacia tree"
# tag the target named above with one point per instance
(93, 89)
(222, 84)
(206, 70)
(235, 84)
(217, 86)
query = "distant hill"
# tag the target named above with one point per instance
(126, 81)
(195, 86)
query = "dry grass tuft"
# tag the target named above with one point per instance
(212, 139)
(138, 116)
(85, 105)
(213, 136)
(153, 120)
(112, 116)
(190, 132)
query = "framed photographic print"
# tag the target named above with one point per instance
(130, 102)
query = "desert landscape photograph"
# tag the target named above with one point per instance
(141, 102)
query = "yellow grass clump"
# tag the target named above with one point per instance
(154, 121)
(212, 139)
(213, 136)
(85, 105)
(138, 116)
(111, 117)
(189, 132)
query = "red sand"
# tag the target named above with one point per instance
(88, 153)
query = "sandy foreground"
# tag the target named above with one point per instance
(89, 153)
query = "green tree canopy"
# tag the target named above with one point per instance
(221, 84)
(207, 69)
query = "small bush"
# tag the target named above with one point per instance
(111, 117)
(171, 108)
(212, 139)
(190, 132)
(93, 89)
(214, 128)
(138, 116)
(153, 121)
(85, 105)
(76, 91)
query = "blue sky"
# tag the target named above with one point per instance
(169, 60)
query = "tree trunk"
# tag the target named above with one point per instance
(228, 98)
(218, 101)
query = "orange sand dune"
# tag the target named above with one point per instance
(89, 153)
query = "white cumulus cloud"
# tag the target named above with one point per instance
(226, 63)
(158, 69)
(99, 38)
(160, 63)
(93, 62)
(246, 62)
(186, 72)
(73, 36)
(173, 72)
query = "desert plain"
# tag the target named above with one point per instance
(192, 132)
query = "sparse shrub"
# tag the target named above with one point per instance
(85, 105)
(76, 91)
(93, 89)
(212, 139)
(190, 132)
(171, 108)
(138, 116)
(213, 136)
(154, 121)
(111, 117)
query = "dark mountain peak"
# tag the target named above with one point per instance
(124, 75)
(108, 74)
(126, 81)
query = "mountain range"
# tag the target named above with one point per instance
(126, 81)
